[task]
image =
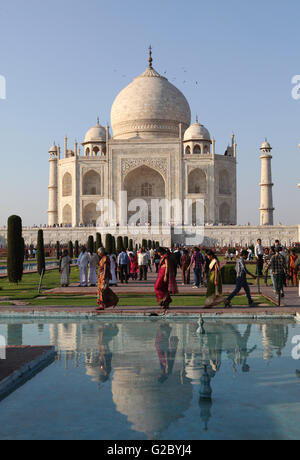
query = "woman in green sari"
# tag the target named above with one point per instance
(214, 285)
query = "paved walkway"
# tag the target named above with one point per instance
(291, 298)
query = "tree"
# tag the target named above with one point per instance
(120, 244)
(130, 245)
(109, 244)
(90, 244)
(15, 249)
(149, 244)
(126, 242)
(144, 244)
(76, 249)
(57, 250)
(114, 246)
(98, 242)
(71, 249)
(41, 265)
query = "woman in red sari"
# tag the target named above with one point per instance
(166, 281)
(134, 267)
(106, 297)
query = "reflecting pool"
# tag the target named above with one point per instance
(157, 379)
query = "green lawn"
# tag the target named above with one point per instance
(28, 288)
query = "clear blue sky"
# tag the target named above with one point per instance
(66, 60)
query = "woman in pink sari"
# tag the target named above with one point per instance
(166, 281)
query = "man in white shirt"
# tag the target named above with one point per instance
(259, 254)
(143, 261)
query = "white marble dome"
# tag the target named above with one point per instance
(150, 107)
(197, 132)
(96, 134)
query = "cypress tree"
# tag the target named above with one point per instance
(71, 249)
(149, 244)
(130, 245)
(109, 244)
(76, 249)
(144, 244)
(98, 242)
(90, 244)
(57, 250)
(15, 249)
(126, 242)
(41, 265)
(114, 246)
(120, 244)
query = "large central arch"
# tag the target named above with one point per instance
(144, 183)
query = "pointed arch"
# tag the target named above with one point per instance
(91, 184)
(67, 185)
(197, 181)
(67, 215)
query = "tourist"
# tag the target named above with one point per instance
(113, 270)
(185, 263)
(106, 297)
(197, 262)
(123, 263)
(241, 280)
(166, 281)
(143, 264)
(94, 261)
(214, 284)
(292, 268)
(134, 267)
(65, 268)
(83, 263)
(266, 258)
(278, 266)
(259, 254)
(149, 260)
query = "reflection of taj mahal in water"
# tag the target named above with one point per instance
(153, 153)
(175, 359)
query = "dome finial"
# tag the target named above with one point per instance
(150, 57)
(197, 119)
(98, 121)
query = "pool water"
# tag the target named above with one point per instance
(142, 379)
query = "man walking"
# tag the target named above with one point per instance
(278, 266)
(197, 264)
(259, 254)
(241, 280)
(123, 262)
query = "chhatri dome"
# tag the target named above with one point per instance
(150, 106)
(196, 132)
(96, 134)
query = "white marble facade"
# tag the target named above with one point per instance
(152, 152)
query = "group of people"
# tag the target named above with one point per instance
(204, 266)
(282, 265)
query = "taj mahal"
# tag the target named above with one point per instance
(153, 151)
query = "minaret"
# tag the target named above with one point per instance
(266, 186)
(52, 211)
